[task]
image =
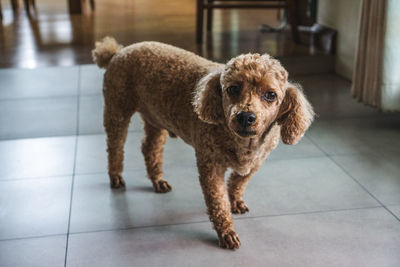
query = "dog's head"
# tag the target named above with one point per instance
(250, 94)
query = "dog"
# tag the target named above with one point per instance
(233, 114)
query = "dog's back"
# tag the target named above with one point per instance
(133, 71)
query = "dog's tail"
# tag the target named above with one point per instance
(104, 51)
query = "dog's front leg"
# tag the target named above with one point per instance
(217, 201)
(236, 187)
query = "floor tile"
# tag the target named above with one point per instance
(96, 206)
(38, 117)
(280, 187)
(44, 251)
(331, 98)
(92, 156)
(379, 175)
(33, 208)
(369, 237)
(42, 82)
(38, 157)
(303, 185)
(91, 116)
(91, 80)
(377, 135)
(304, 149)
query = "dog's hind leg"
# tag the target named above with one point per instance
(116, 123)
(152, 148)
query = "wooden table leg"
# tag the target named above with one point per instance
(75, 6)
(293, 20)
(199, 21)
(209, 16)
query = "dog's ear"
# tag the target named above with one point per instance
(295, 115)
(207, 100)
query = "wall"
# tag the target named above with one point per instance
(344, 16)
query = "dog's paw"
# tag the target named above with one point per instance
(229, 240)
(116, 181)
(239, 207)
(162, 186)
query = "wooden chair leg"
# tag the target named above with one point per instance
(27, 7)
(1, 11)
(209, 16)
(293, 20)
(92, 4)
(15, 5)
(199, 21)
(75, 6)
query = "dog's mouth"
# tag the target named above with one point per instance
(245, 133)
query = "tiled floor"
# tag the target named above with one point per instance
(332, 200)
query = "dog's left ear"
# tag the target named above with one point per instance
(207, 100)
(295, 115)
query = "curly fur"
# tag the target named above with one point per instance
(178, 93)
(104, 51)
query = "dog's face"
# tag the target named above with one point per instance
(250, 94)
(253, 88)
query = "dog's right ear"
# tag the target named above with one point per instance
(207, 100)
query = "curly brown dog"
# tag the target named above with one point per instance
(233, 115)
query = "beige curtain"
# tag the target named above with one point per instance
(368, 72)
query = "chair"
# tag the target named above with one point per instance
(210, 5)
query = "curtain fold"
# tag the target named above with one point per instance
(368, 72)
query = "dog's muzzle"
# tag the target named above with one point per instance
(245, 119)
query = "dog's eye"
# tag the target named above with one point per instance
(269, 96)
(234, 90)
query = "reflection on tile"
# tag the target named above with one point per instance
(42, 82)
(380, 175)
(91, 116)
(38, 117)
(92, 156)
(44, 251)
(35, 207)
(330, 96)
(38, 157)
(326, 239)
(97, 207)
(91, 80)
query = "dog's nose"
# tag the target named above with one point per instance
(245, 118)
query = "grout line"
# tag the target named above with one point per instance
(195, 222)
(356, 181)
(30, 237)
(307, 212)
(235, 218)
(39, 97)
(139, 169)
(59, 176)
(74, 168)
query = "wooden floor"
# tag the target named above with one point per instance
(52, 37)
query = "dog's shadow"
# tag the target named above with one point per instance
(179, 232)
